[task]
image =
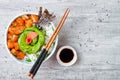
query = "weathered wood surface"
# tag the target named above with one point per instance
(93, 29)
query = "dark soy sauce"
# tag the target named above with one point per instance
(66, 55)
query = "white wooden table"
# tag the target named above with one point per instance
(93, 29)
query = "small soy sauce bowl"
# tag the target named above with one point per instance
(66, 56)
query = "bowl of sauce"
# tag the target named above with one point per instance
(66, 56)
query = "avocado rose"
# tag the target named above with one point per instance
(31, 40)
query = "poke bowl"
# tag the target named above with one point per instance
(24, 40)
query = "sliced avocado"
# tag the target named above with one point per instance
(36, 44)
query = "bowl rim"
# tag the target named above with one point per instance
(8, 51)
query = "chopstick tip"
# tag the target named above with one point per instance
(31, 75)
(68, 9)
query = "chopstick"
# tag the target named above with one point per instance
(59, 26)
(40, 59)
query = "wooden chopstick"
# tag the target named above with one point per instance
(59, 26)
(39, 61)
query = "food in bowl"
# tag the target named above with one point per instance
(26, 37)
